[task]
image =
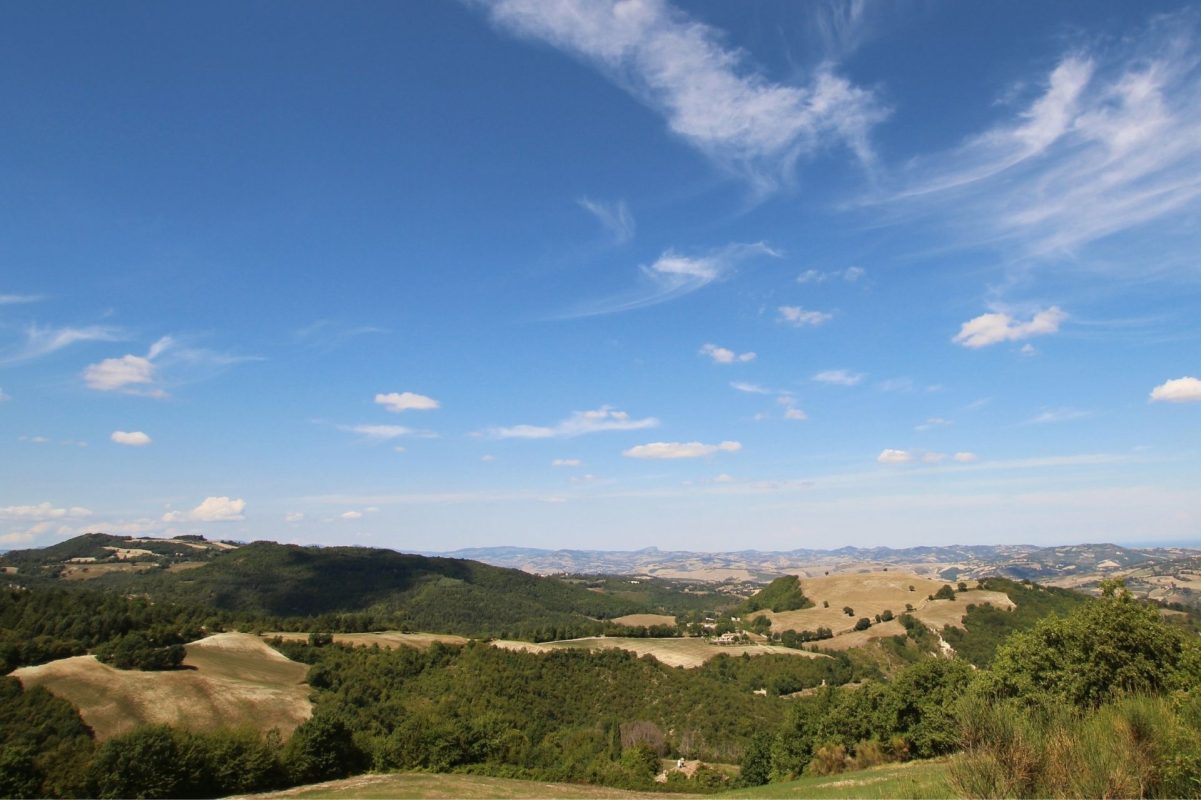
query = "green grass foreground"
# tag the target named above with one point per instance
(915, 779)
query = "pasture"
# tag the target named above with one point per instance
(430, 785)
(228, 680)
(682, 652)
(386, 639)
(645, 620)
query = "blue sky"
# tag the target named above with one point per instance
(590, 274)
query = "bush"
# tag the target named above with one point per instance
(863, 624)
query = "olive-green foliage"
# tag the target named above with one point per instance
(145, 651)
(44, 624)
(780, 675)
(1136, 746)
(44, 745)
(945, 592)
(553, 716)
(916, 709)
(1113, 646)
(159, 761)
(782, 594)
(986, 626)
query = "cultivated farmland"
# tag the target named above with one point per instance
(228, 680)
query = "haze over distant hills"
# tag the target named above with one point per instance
(1073, 563)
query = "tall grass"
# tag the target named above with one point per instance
(1132, 747)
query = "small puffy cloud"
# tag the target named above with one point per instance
(799, 317)
(131, 438)
(605, 418)
(352, 515)
(795, 413)
(671, 450)
(34, 439)
(294, 516)
(724, 478)
(888, 456)
(4, 396)
(44, 511)
(211, 509)
(839, 377)
(965, 457)
(721, 355)
(998, 327)
(750, 388)
(487, 458)
(396, 402)
(113, 374)
(852, 274)
(566, 462)
(1177, 390)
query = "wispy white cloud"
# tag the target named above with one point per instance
(850, 275)
(378, 433)
(1058, 415)
(800, 318)
(674, 275)
(396, 402)
(18, 299)
(566, 462)
(722, 355)
(325, 334)
(142, 375)
(839, 377)
(1178, 390)
(1109, 144)
(211, 509)
(964, 457)
(39, 341)
(932, 423)
(5, 396)
(751, 388)
(605, 418)
(615, 217)
(707, 93)
(997, 327)
(294, 516)
(674, 450)
(131, 438)
(44, 511)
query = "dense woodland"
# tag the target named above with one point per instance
(1075, 696)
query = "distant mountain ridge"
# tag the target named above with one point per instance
(950, 562)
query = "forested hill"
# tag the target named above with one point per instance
(382, 587)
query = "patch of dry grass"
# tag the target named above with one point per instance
(230, 680)
(683, 652)
(387, 639)
(426, 785)
(638, 620)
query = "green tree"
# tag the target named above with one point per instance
(1116, 645)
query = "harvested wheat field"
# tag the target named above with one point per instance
(938, 614)
(647, 620)
(866, 594)
(229, 680)
(386, 639)
(845, 641)
(682, 652)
